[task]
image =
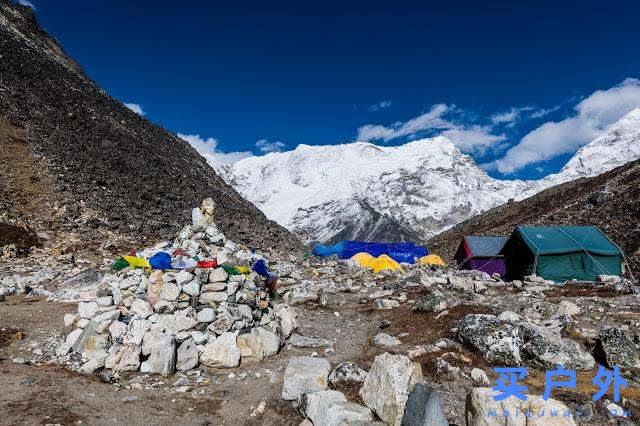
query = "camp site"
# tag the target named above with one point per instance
(319, 213)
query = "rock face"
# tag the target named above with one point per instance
(386, 388)
(119, 147)
(617, 348)
(304, 374)
(424, 408)
(482, 410)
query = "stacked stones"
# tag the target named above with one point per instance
(160, 321)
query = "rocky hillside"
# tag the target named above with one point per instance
(414, 191)
(75, 160)
(610, 201)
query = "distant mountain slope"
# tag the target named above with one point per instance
(610, 201)
(107, 168)
(413, 191)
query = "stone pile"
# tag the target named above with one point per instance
(161, 321)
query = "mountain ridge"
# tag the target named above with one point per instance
(412, 191)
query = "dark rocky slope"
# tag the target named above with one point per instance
(610, 201)
(110, 170)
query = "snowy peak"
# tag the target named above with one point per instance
(416, 190)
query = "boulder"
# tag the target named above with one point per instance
(135, 331)
(482, 410)
(206, 315)
(480, 377)
(304, 374)
(347, 372)
(387, 386)
(424, 408)
(386, 340)
(433, 301)
(615, 347)
(87, 309)
(128, 358)
(496, 340)
(330, 408)
(187, 355)
(213, 297)
(546, 350)
(170, 292)
(222, 352)
(161, 349)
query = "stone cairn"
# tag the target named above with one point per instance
(159, 321)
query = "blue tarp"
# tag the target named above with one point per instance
(400, 252)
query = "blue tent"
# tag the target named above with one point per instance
(400, 252)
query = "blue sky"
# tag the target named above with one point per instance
(251, 78)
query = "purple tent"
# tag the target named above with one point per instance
(481, 254)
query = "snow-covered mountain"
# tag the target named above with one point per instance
(364, 191)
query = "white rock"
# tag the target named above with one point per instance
(161, 349)
(480, 404)
(187, 356)
(384, 339)
(104, 301)
(213, 297)
(222, 352)
(206, 315)
(136, 331)
(63, 349)
(92, 365)
(170, 292)
(183, 277)
(192, 288)
(141, 308)
(118, 329)
(69, 319)
(198, 337)
(304, 374)
(480, 377)
(330, 408)
(72, 338)
(218, 274)
(568, 308)
(87, 309)
(387, 386)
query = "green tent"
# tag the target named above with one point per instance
(561, 253)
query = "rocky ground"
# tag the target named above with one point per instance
(333, 342)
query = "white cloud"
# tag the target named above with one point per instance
(265, 146)
(27, 3)
(511, 116)
(468, 138)
(592, 117)
(475, 139)
(381, 105)
(430, 120)
(135, 108)
(208, 148)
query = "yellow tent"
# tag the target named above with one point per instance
(432, 259)
(384, 262)
(376, 263)
(363, 259)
